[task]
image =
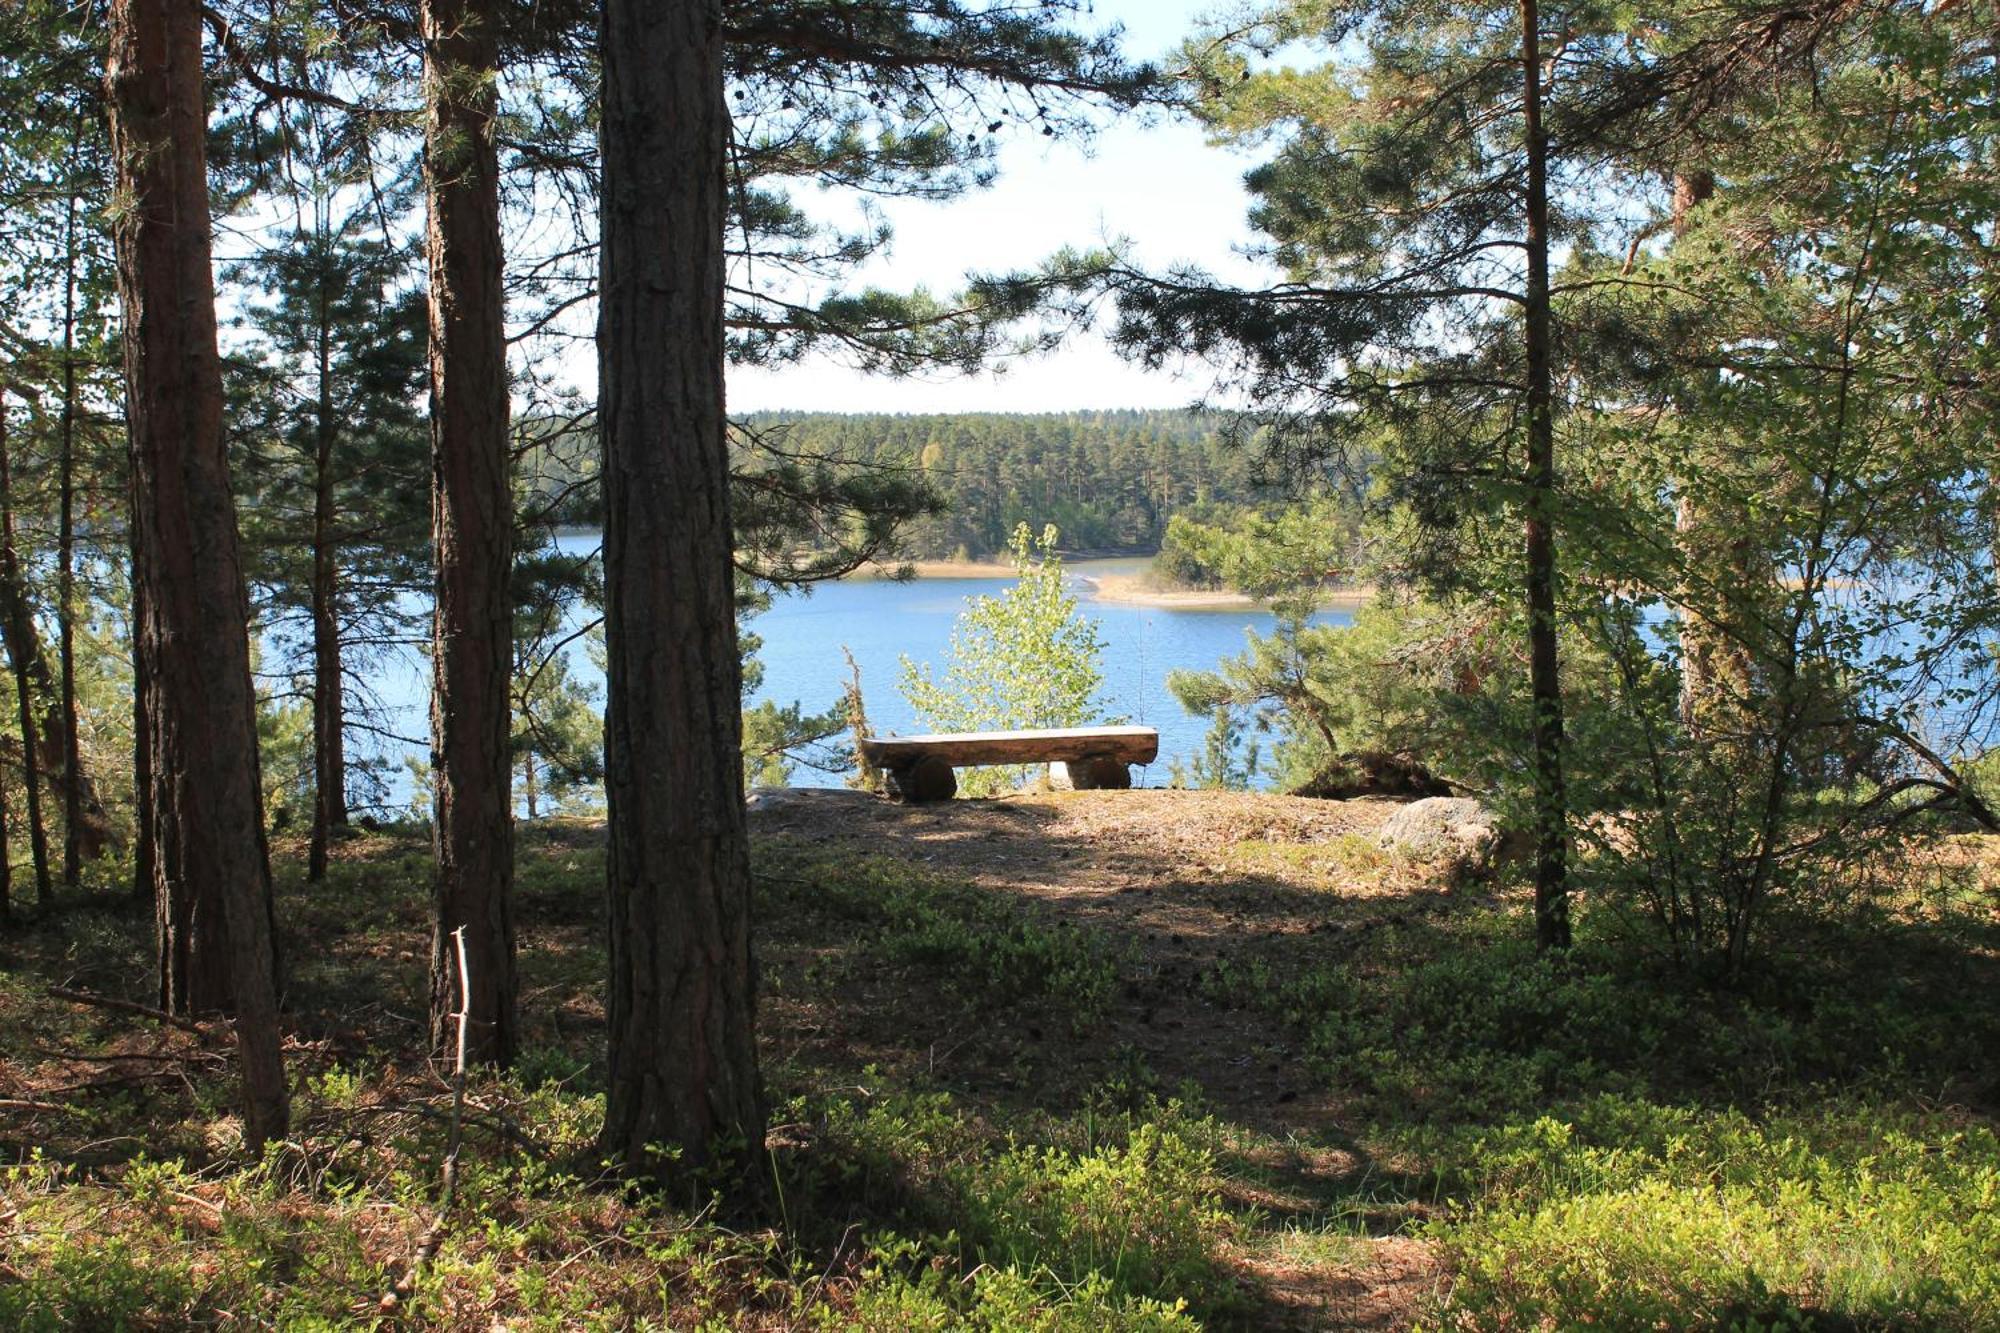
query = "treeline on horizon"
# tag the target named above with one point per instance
(1110, 480)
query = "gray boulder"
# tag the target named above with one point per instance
(1454, 829)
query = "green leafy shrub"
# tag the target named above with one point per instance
(1142, 1215)
(1024, 659)
(1656, 1217)
(1115, 1226)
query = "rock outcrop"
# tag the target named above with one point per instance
(1453, 829)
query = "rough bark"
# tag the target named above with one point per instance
(472, 529)
(683, 1056)
(19, 624)
(211, 872)
(73, 778)
(48, 711)
(1544, 680)
(6, 861)
(93, 829)
(143, 866)
(329, 708)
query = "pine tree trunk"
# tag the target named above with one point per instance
(21, 643)
(1544, 680)
(6, 861)
(473, 523)
(212, 875)
(329, 710)
(72, 757)
(683, 1055)
(142, 753)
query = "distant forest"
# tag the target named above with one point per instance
(1108, 480)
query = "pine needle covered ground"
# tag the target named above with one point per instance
(1093, 1060)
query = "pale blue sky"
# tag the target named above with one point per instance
(1159, 186)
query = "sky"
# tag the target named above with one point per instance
(1159, 186)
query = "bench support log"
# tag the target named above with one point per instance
(927, 779)
(1098, 773)
(919, 768)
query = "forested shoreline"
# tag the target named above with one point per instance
(1109, 481)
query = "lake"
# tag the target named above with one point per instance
(879, 621)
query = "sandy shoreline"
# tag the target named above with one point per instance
(1136, 590)
(943, 569)
(1126, 589)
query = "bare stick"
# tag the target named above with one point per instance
(128, 1007)
(22, 1104)
(500, 1125)
(448, 1185)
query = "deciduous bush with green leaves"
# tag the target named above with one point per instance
(1026, 658)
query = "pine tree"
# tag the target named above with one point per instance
(326, 422)
(683, 1051)
(204, 803)
(1410, 209)
(473, 523)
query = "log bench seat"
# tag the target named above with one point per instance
(919, 768)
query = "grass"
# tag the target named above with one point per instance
(1306, 1090)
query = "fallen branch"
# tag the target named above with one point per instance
(156, 1057)
(129, 1079)
(499, 1125)
(22, 1104)
(427, 1248)
(128, 1007)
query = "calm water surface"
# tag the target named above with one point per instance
(880, 621)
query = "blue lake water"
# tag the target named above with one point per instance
(880, 621)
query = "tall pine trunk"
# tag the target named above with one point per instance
(143, 867)
(473, 521)
(22, 645)
(683, 1055)
(1544, 679)
(72, 745)
(6, 860)
(329, 709)
(211, 873)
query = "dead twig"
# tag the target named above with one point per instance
(500, 1125)
(128, 1007)
(23, 1104)
(197, 1056)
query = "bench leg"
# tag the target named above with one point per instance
(928, 779)
(1099, 774)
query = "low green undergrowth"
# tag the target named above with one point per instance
(982, 944)
(970, 1128)
(1628, 1214)
(1117, 1226)
(1598, 1142)
(933, 1219)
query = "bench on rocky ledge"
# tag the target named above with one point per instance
(919, 768)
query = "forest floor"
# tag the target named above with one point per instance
(1092, 1061)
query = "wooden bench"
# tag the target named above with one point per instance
(919, 768)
